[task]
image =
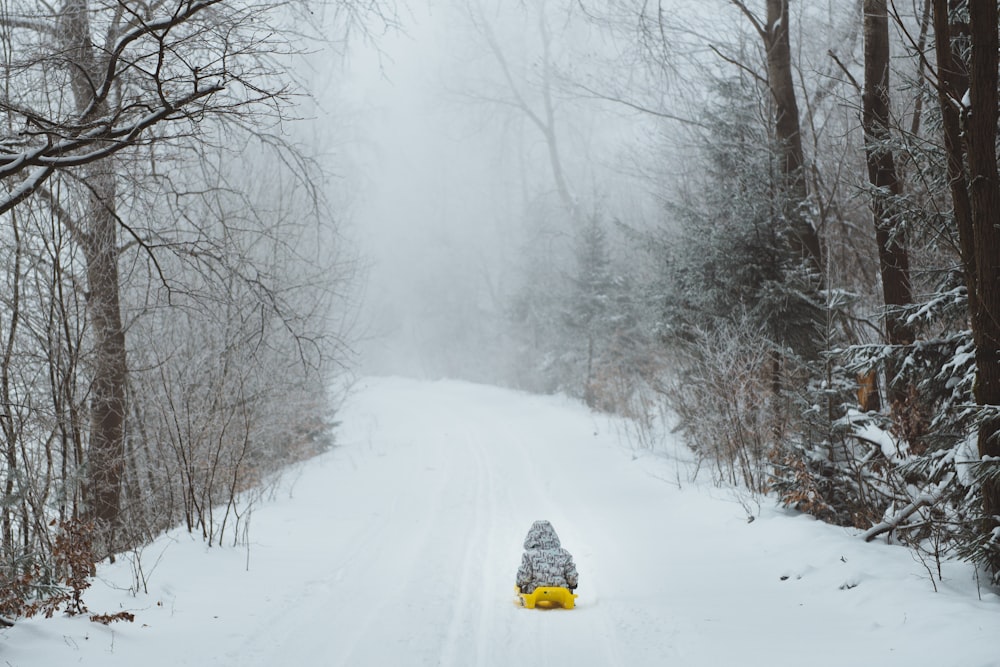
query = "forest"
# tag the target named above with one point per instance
(772, 227)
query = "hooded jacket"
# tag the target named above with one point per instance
(545, 562)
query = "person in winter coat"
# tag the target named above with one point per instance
(545, 562)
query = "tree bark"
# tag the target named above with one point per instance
(802, 236)
(984, 191)
(975, 187)
(8, 419)
(106, 459)
(98, 237)
(894, 261)
(953, 81)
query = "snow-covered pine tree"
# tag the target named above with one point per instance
(601, 323)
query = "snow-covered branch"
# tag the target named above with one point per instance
(923, 500)
(185, 12)
(104, 142)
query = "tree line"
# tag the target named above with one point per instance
(176, 299)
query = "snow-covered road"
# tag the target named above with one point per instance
(399, 547)
(435, 487)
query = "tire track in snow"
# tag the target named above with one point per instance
(467, 643)
(468, 593)
(350, 589)
(487, 611)
(311, 593)
(397, 556)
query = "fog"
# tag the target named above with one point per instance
(452, 181)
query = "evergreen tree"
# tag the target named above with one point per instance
(600, 321)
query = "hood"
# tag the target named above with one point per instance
(541, 536)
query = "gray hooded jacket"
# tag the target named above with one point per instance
(545, 562)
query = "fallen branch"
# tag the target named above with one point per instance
(924, 500)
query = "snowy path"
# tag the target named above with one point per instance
(399, 548)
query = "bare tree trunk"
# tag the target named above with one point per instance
(106, 460)
(802, 236)
(984, 181)
(98, 237)
(976, 202)
(953, 81)
(803, 267)
(894, 261)
(7, 416)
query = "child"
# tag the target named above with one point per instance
(545, 562)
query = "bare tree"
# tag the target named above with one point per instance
(542, 114)
(128, 69)
(135, 78)
(894, 261)
(969, 97)
(774, 32)
(984, 189)
(111, 108)
(231, 361)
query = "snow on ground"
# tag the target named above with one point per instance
(399, 547)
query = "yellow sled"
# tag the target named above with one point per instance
(547, 597)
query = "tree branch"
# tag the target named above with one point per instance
(733, 61)
(843, 68)
(62, 154)
(758, 26)
(924, 500)
(635, 106)
(143, 30)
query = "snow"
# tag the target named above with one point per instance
(863, 428)
(399, 547)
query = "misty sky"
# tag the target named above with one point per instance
(445, 166)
